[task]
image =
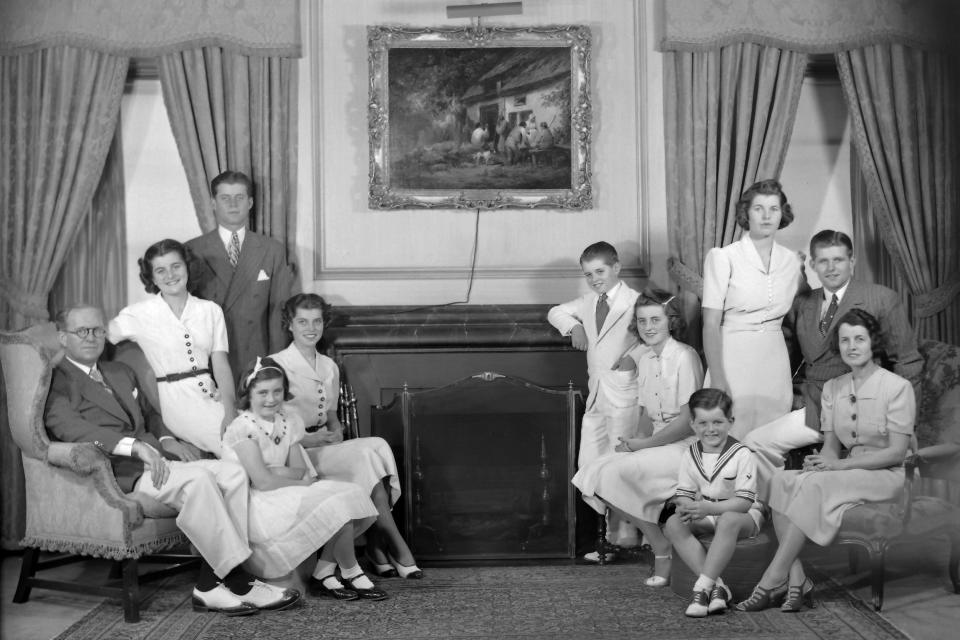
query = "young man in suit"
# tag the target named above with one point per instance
(244, 272)
(100, 402)
(814, 320)
(831, 257)
(598, 323)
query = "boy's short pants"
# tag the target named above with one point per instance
(755, 513)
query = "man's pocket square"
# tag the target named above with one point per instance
(262, 276)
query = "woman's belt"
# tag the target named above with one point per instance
(173, 377)
(759, 327)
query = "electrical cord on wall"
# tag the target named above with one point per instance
(473, 270)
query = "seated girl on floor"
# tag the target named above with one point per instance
(636, 480)
(293, 513)
(368, 462)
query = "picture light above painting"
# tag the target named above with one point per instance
(479, 117)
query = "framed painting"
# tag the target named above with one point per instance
(479, 118)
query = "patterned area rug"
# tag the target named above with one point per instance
(514, 603)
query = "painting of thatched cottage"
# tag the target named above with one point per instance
(493, 118)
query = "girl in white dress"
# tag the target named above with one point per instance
(292, 512)
(636, 480)
(184, 339)
(367, 462)
(748, 287)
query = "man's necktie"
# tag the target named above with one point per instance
(602, 310)
(233, 250)
(97, 377)
(828, 316)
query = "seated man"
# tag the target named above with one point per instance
(814, 321)
(99, 402)
(831, 257)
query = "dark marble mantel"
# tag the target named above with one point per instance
(516, 327)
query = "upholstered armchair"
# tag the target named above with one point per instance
(74, 505)
(928, 508)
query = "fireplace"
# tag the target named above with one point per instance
(487, 462)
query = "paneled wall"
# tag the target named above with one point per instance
(361, 256)
(356, 256)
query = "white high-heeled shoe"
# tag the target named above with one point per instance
(655, 580)
(411, 572)
(385, 570)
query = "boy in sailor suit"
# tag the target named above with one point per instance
(716, 491)
(598, 323)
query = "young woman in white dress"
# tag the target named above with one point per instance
(636, 480)
(293, 513)
(368, 462)
(748, 288)
(184, 339)
(871, 412)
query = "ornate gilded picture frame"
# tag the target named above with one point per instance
(479, 118)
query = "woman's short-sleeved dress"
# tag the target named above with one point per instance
(289, 524)
(190, 407)
(316, 389)
(862, 419)
(639, 482)
(753, 301)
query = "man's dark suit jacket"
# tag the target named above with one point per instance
(81, 410)
(822, 363)
(252, 295)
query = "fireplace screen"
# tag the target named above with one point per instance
(487, 463)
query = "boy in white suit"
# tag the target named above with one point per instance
(597, 322)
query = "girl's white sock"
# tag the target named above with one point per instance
(704, 583)
(324, 569)
(356, 576)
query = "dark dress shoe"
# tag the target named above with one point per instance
(221, 600)
(364, 594)
(317, 589)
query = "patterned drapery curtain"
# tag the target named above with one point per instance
(238, 112)
(902, 103)
(729, 115)
(58, 111)
(873, 262)
(61, 80)
(95, 269)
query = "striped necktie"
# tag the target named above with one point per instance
(97, 377)
(828, 316)
(233, 250)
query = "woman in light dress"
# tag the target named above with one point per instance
(293, 513)
(748, 288)
(368, 462)
(870, 412)
(636, 480)
(184, 340)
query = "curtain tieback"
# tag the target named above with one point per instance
(686, 277)
(23, 302)
(935, 300)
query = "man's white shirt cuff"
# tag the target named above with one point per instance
(124, 447)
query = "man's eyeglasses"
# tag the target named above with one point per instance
(83, 332)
